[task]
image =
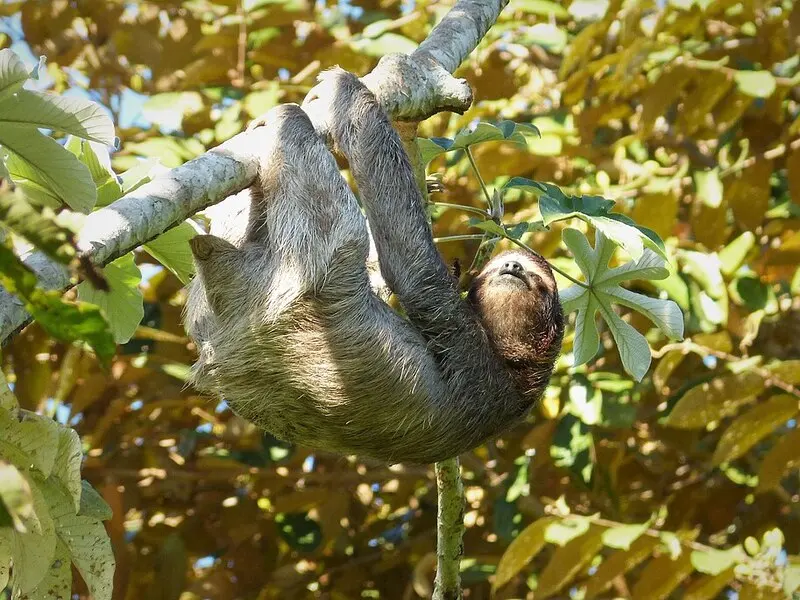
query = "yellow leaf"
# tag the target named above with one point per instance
(618, 564)
(751, 591)
(714, 400)
(793, 174)
(709, 88)
(748, 194)
(709, 223)
(657, 100)
(521, 551)
(784, 456)
(719, 341)
(708, 587)
(787, 370)
(656, 211)
(754, 425)
(730, 110)
(668, 363)
(661, 576)
(568, 561)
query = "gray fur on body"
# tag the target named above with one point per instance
(288, 329)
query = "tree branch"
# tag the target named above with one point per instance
(449, 530)
(410, 87)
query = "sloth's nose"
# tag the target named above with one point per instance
(512, 267)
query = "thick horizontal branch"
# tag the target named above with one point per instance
(409, 87)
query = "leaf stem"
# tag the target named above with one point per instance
(480, 179)
(472, 209)
(458, 238)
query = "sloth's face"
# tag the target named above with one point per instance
(516, 298)
(519, 274)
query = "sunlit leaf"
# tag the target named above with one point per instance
(618, 564)
(713, 400)
(122, 304)
(709, 187)
(569, 560)
(708, 587)
(602, 290)
(87, 541)
(759, 84)
(662, 576)
(17, 498)
(623, 536)
(172, 250)
(76, 116)
(714, 562)
(753, 426)
(521, 551)
(45, 162)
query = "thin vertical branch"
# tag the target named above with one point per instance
(449, 530)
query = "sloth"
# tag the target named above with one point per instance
(291, 335)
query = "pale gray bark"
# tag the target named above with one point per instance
(409, 87)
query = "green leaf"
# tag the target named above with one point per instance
(713, 400)
(33, 552)
(732, 256)
(44, 162)
(568, 561)
(123, 303)
(573, 447)
(388, 43)
(172, 250)
(709, 187)
(561, 532)
(98, 161)
(92, 503)
(17, 498)
(57, 581)
(5, 555)
(430, 148)
(622, 536)
(758, 84)
(75, 116)
(66, 321)
(542, 8)
(41, 227)
(87, 541)
(618, 564)
(714, 562)
(67, 466)
(555, 205)
(12, 74)
(138, 175)
(31, 442)
(602, 290)
(548, 35)
(488, 226)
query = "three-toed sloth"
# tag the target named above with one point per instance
(292, 336)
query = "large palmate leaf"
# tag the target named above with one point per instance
(602, 290)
